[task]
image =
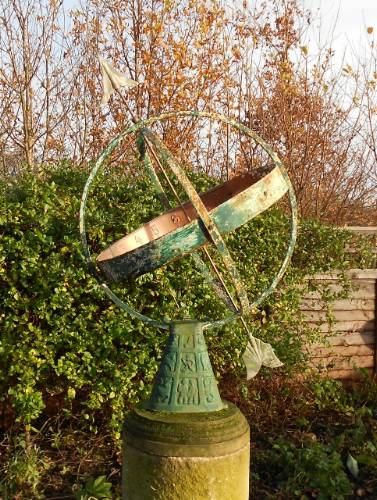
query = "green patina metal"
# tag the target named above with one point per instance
(148, 165)
(208, 222)
(227, 217)
(210, 229)
(185, 382)
(200, 264)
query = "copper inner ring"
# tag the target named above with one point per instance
(177, 217)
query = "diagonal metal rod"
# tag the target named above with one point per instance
(213, 265)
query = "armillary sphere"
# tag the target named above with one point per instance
(185, 381)
(202, 221)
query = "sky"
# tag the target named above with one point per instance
(343, 21)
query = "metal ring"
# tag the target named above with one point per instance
(142, 124)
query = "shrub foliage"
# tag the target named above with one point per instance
(62, 338)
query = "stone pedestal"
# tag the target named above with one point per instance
(186, 456)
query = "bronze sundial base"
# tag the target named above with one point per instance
(185, 381)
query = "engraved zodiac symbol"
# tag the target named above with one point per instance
(188, 341)
(187, 391)
(188, 363)
(199, 340)
(203, 361)
(138, 239)
(163, 389)
(170, 361)
(155, 230)
(208, 390)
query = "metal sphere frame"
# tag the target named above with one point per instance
(143, 124)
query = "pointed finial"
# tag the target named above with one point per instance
(113, 80)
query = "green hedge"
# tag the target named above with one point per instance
(60, 336)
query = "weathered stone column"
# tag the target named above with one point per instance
(185, 443)
(192, 456)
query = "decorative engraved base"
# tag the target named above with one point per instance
(185, 381)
